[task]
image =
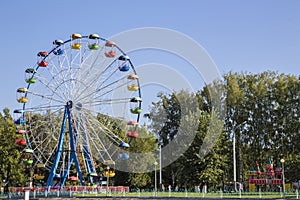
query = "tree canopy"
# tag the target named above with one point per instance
(261, 110)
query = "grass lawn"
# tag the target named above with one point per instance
(217, 195)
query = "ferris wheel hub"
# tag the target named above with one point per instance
(78, 106)
(69, 104)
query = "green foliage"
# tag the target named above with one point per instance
(146, 145)
(262, 110)
(10, 157)
(190, 115)
(140, 180)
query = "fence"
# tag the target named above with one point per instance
(68, 191)
(122, 191)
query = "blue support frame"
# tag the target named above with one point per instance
(58, 152)
(73, 149)
(87, 154)
(73, 156)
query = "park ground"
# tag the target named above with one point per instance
(158, 195)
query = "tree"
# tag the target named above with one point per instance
(183, 120)
(10, 157)
(261, 109)
(138, 167)
(265, 108)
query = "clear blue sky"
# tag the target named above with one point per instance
(239, 35)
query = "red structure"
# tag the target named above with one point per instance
(265, 178)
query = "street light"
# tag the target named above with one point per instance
(147, 115)
(234, 155)
(160, 166)
(107, 184)
(155, 185)
(283, 187)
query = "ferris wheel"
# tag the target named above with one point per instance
(80, 107)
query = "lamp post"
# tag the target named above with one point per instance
(107, 184)
(160, 167)
(155, 185)
(147, 115)
(283, 187)
(234, 155)
(234, 161)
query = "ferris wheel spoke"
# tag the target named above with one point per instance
(109, 91)
(44, 137)
(44, 141)
(110, 101)
(46, 155)
(39, 108)
(110, 134)
(93, 135)
(101, 71)
(97, 142)
(43, 144)
(52, 74)
(109, 76)
(49, 156)
(95, 123)
(96, 90)
(54, 88)
(89, 61)
(99, 147)
(111, 84)
(46, 97)
(98, 73)
(89, 71)
(55, 69)
(65, 74)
